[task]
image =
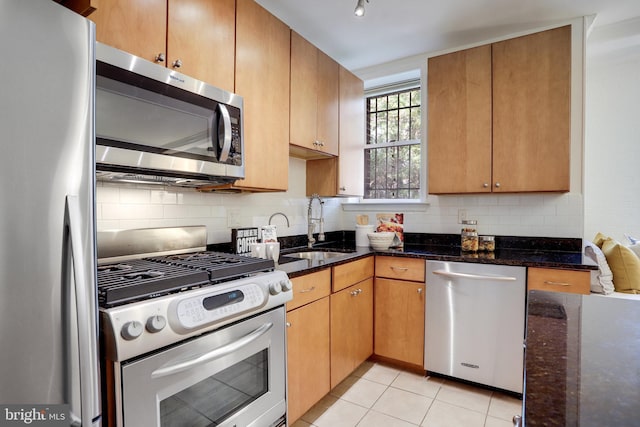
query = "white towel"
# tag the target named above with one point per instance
(601, 282)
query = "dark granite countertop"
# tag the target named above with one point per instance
(582, 364)
(528, 252)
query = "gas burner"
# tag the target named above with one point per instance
(114, 267)
(144, 274)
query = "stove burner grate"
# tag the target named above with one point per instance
(143, 280)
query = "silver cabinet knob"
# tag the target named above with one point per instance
(485, 185)
(497, 185)
(419, 291)
(159, 57)
(177, 63)
(288, 324)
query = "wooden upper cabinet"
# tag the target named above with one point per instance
(82, 7)
(135, 26)
(201, 36)
(343, 175)
(459, 117)
(499, 116)
(314, 98)
(198, 33)
(531, 112)
(262, 79)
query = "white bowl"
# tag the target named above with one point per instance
(382, 240)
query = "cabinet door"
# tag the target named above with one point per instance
(352, 135)
(531, 112)
(135, 26)
(399, 320)
(262, 78)
(308, 358)
(304, 90)
(557, 280)
(351, 329)
(459, 117)
(201, 34)
(327, 108)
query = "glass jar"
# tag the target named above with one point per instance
(486, 243)
(469, 236)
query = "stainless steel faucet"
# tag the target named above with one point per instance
(279, 213)
(311, 224)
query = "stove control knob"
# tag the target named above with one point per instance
(131, 330)
(286, 285)
(156, 324)
(275, 288)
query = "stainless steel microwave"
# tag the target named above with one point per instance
(156, 125)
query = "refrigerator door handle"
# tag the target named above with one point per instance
(474, 276)
(85, 324)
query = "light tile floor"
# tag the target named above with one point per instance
(378, 395)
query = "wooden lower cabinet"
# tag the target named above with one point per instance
(351, 329)
(399, 320)
(557, 280)
(308, 357)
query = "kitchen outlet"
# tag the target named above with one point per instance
(462, 215)
(233, 218)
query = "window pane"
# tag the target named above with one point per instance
(372, 104)
(415, 123)
(405, 125)
(405, 99)
(415, 97)
(392, 102)
(382, 103)
(372, 129)
(381, 128)
(393, 126)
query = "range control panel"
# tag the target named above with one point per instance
(135, 329)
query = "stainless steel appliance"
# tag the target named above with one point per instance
(48, 313)
(475, 322)
(191, 337)
(156, 125)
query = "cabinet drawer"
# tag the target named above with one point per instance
(310, 287)
(353, 272)
(552, 279)
(400, 268)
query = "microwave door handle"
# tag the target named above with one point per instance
(213, 354)
(474, 276)
(224, 137)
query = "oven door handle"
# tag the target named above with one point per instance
(213, 354)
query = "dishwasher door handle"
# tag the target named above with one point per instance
(474, 276)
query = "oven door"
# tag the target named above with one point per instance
(234, 376)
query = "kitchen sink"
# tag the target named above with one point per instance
(316, 255)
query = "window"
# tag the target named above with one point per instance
(392, 153)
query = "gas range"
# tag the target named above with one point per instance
(157, 298)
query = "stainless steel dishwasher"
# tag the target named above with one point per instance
(475, 322)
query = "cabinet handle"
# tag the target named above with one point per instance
(548, 282)
(159, 57)
(419, 291)
(288, 324)
(399, 268)
(311, 289)
(485, 185)
(497, 185)
(177, 63)
(353, 293)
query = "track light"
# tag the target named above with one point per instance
(359, 12)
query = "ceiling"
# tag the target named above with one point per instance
(395, 29)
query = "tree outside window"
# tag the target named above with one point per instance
(392, 152)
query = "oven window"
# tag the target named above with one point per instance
(214, 399)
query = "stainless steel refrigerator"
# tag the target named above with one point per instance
(48, 314)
